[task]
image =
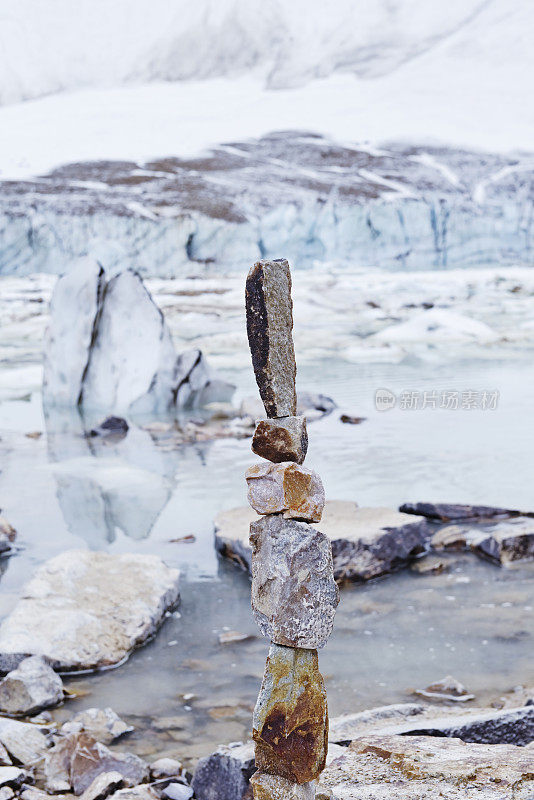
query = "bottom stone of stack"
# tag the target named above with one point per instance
(273, 787)
(290, 723)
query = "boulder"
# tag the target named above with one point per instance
(280, 440)
(32, 686)
(74, 308)
(478, 725)
(290, 721)
(294, 595)
(115, 427)
(366, 542)
(421, 768)
(87, 610)
(287, 488)
(273, 787)
(195, 385)
(225, 774)
(269, 327)
(77, 760)
(103, 724)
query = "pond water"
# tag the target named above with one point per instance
(184, 691)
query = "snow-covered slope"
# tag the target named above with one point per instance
(54, 45)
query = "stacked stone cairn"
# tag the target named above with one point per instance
(294, 595)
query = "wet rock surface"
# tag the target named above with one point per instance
(294, 595)
(280, 440)
(32, 686)
(420, 767)
(225, 774)
(84, 610)
(507, 542)
(269, 328)
(287, 488)
(290, 722)
(366, 542)
(103, 724)
(446, 512)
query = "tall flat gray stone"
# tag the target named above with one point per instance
(294, 595)
(269, 328)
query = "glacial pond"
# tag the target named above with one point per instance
(184, 691)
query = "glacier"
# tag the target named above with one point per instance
(288, 193)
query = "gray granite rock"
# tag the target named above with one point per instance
(284, 439)
(32, 686)
(225, 774)
(290, 721)
(287, 488)
(273, 787)
(366, 542)
(85, 610)
(444, 512)
(269, 327)
(294, 595)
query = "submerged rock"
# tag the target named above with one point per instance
(77, 760)
(85, 610)
(269, 328)
(280, 440)
(225, 774)
(111, 426)
(294, 595)
(420, 767)
(32, 686)
(103, 724)
(290, 722)
(366, 542)
(285, 488)
(273, 787)
(446, 689)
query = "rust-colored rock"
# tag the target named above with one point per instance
(290, 723)
(273, 787)
(285, 488)
(269, 328)
(280, 440)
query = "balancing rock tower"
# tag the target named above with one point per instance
(294, 595)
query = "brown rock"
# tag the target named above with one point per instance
(280, 440)
(294, 595)
(269, 328)
(286, 488)
(273, 787)
(290, 723)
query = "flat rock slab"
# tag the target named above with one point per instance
(477, 725)
(366, 542)
(85, 610)
(446, 512)
(423, 768)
